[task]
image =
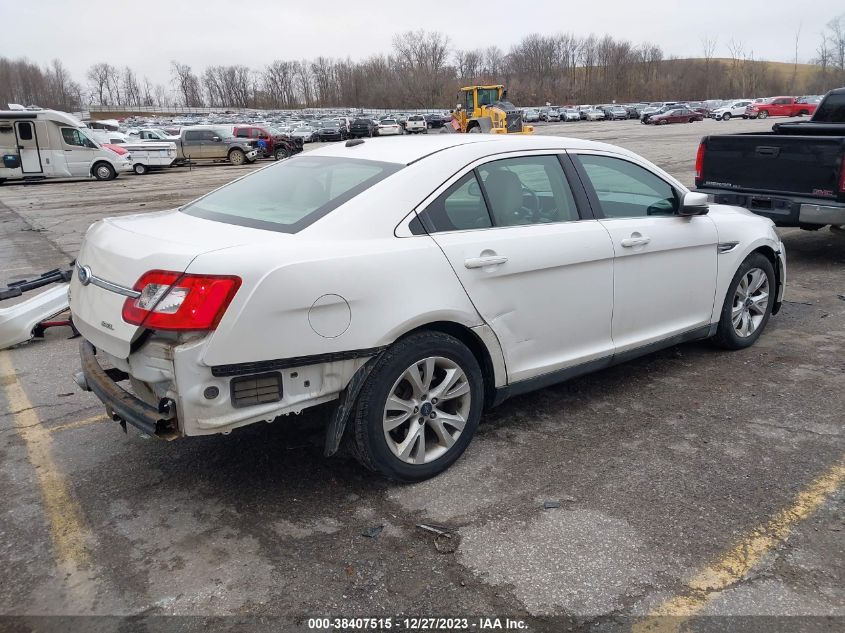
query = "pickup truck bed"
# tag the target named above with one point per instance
(794, 175)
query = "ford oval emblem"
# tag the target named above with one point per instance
(84, 275)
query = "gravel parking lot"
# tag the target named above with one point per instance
(690, 482)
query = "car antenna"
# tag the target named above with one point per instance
(354, 141)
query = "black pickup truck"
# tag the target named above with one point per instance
(794, 174)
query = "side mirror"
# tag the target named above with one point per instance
(694, 203)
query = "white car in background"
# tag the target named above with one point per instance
(416, 124)
(306, 132)
(570, 114)
(733, 109)
(595, 115)
(414, 282)
(389, 127)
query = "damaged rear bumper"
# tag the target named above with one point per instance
(121, 405)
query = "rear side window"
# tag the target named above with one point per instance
(528, 190)
(292, 194)
(461, 207)
(832, 109)
(626, 190)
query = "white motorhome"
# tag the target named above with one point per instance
(49, 144)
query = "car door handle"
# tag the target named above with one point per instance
(483, 262)
(628, 242)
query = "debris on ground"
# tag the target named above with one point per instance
(373, 531)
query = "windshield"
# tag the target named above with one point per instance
(388, 122)
(831, 110)
(292, 194)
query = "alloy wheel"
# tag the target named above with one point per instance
(426, 410)
(750, 302)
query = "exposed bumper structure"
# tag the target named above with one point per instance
(121, 405)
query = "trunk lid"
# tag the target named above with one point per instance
(774, 163)
(119, 250)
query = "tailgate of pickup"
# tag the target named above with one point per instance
(808, 166)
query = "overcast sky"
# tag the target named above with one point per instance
(147, 35)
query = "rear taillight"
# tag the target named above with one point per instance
(177, 301)
(699, 161)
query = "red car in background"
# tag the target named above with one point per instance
(275, 144)
(675, 115)
(781, 106)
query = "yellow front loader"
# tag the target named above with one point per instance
(485, 110)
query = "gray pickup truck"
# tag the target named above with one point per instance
(213, 143)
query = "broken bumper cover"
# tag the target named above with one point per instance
(122, 405)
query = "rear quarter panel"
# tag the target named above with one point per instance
(389, 285)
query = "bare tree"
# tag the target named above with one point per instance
(99, 75)
(187, 84)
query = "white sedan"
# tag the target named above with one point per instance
(389, 127)
(414, 282)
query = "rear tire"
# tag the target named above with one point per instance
(103, 171)
(737, 311)
(140, 169)
(375, 438)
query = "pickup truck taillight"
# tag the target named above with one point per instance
(699, 161)
(177, 301)
(842, 176)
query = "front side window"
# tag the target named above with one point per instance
(528, 190)
(292, 194)
(72, 136)
(626, 190)
(25, 131)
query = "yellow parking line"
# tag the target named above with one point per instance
(68, 426)
(67, 527)
(742, 557)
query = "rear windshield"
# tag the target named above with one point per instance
(831, 110)
(292, 194)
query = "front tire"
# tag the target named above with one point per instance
(419, 409)
(237, 157)
(104, 171)
(763, 115)
(726, 116)
(281, 153)
(748, 304)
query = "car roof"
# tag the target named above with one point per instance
(407, 150)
